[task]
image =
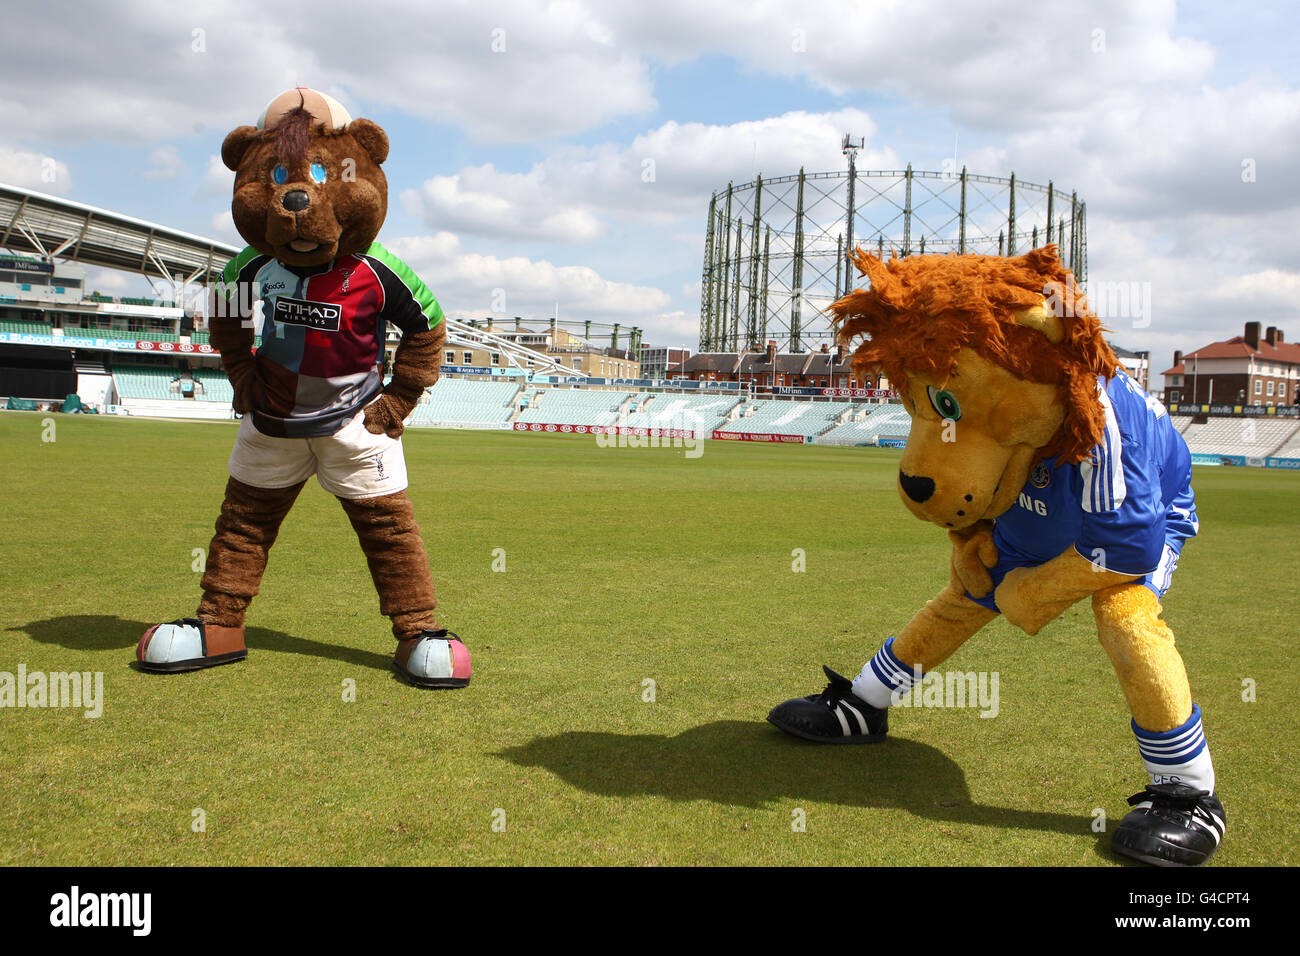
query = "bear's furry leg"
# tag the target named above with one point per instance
(1141, 647)
(249, 524)
(936, 631)
(398, 564)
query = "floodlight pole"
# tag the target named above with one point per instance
(850, 150)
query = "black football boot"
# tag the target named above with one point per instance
(1171, 824)
(835, 716)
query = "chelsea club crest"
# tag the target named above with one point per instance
(1040, 477)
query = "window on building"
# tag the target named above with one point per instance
(1269, 389)
(1259, 386)
(496, 358)
(469, 358)
(1173, 397)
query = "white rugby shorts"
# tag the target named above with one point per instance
(352, 463)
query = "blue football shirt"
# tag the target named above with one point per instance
(1129, 506)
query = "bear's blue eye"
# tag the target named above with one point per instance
(280, 175)
(945, 403)
(317, 173)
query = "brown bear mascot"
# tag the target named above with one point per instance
(309, 199)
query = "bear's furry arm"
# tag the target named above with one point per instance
(231, 334)
(1030, 598)
(415, 368)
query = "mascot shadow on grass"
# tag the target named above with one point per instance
(306, 367)
(1057, 479)
(726, 762)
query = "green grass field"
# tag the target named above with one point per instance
(621, 566)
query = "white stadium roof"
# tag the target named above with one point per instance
(53, 228)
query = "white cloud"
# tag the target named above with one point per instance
(660, 178)
(470, 285)
(482, 201)
(108, 281)
(555, 69)
(164, 163)
(34, 171)
(217, 179)
(223, 228)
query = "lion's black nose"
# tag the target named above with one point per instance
(295, 200)
(918, 489)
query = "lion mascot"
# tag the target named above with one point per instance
(1057, 478)
(309, 198)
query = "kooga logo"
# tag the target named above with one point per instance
(103, 909)
(314, 315)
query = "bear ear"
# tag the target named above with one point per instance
(371, 137)
(236, 143)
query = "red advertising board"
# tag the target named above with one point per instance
(757, 436)
(858, 392)
(145, 345)
(604, 430)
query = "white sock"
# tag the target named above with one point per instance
(1180, 755)
(884, 678)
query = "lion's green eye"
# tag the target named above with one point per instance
(945, 403)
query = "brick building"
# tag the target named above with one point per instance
(1247, 369)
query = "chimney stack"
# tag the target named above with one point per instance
(771, 350)
(1252, 334)
(1178, 358)
(1271, 336)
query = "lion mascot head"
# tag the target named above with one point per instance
(308, 187)
(996, 360)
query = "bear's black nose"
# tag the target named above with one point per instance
(295, 200)
(918, 489)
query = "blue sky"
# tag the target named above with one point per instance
(518, 130)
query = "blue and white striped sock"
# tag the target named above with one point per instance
(884, 678)
(1180, 755)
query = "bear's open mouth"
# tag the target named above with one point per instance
(304, 245)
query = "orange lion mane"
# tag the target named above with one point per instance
(920, 310)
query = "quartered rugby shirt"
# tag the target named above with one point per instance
(321, 348)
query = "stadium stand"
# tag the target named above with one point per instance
(142, 381)
(882, 421)
(1238, 436)
(24, 328)
(213, 386)
(460, 404)
(787, 418)
(703, 413)
(1290, 448)
(571, 406)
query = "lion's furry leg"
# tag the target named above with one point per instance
(1141, 648)
(938, 629)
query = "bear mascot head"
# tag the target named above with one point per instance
(308, 183)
